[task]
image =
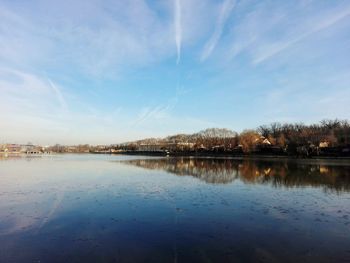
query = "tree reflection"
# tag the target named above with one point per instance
(282, 173)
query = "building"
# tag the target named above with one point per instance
(324, 144)
(12, 148)
(165, 146)
(262, 141)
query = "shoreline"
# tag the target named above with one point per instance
(187, 155)
(222, 155)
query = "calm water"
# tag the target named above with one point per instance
(101, 208)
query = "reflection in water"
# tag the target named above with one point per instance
(94, 208)
(288, 173)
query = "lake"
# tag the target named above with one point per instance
(105, 208)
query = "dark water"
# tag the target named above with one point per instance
(101, 208)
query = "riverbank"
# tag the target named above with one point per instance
(223, 155)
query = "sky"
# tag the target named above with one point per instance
(104, 72)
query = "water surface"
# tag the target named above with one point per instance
(102, 208)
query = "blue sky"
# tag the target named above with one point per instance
(111, 71)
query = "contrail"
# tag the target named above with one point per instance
(178, 29)
(325, 23)
(226, 8)
(59, 95)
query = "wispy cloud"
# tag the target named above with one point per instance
(226, 8)
(59, 95)
(106, 65)
(178, 29)
(148, 113)
(99, 42)
(271, 29)
(157, 112)
(321, 24)
(30, 95)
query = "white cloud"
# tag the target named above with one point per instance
(100, 40)
(226, 8)
(60, 70)
(59, 96)
(318, 23)
(159, 112)
(271, 29)
(178, 29)
(33, 108)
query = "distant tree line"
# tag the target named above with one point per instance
(328, 138)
